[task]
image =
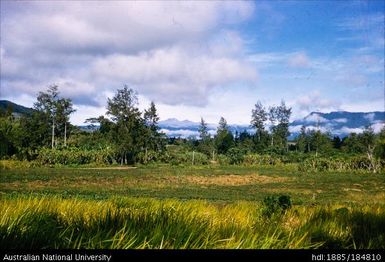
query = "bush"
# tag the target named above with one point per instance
(255, 159)
(75, 156)
(340, 164)
(223, 160)
(181, 157)
(275, 205)
(235, 156)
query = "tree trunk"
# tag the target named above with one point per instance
(65, 134)
(53, 134)
(193, 157)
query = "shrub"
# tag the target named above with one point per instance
(75, 156)
(255, 159)
(235, 156)
(275, 205)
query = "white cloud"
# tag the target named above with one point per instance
(377, 127)
(348, 130)
(370, 116)
(174, 76)
(172, 52)
(314, 101)
(315, 118)
(180, 132)
(300, 60)
(295, 129)
(340, 120)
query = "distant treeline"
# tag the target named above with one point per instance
(129, 136)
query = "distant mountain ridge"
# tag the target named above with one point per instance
(339, 123)
(16, 109)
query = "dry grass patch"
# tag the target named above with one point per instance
(235, 180)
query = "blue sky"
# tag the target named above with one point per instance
(197, 59)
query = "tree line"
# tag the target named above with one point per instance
(128, 136)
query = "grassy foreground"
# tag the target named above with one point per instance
(189, 208)
(42, 222)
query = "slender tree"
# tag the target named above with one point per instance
(47, 103)
(258, 119)
(152, 135)
(64, 110)
(273, 117)
(203, 130)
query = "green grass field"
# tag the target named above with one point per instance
(189, 207)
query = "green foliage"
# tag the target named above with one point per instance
(255, 159)
(340, 164)
(75, 156)
(275, 205)
(224, 139)
(235, 155)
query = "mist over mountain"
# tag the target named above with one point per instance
(339, 123)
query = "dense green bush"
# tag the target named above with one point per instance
(235, 156)
(178, 156)
(223, 159)
(255, 159)
(275, 205)
(75, 156)
(340, 164)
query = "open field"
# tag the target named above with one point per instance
(227, 184)
(189, 207)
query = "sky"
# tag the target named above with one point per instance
(196, 59)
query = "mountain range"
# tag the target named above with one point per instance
(339, 123)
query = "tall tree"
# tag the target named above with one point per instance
(258, 119)
(129, 126)
(203, 130)
(301, 140)
(224, 139)
(153, 137)
(283, 117)
(368, 140)
(151, 118)
(64, 110)
(273, 117)
(47, 104)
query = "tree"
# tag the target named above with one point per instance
(368, 140)
(320, 142)
(283, 118)
(64, 108)
(203, 130)
(129, 126)
(47, 104)
(273, 117)
(151, 118)
(224, 139)
(153, 137)
(258, 119)
(380, 144)
(301, 140)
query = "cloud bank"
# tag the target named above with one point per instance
(171, 52)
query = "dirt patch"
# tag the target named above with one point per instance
(235, 180)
